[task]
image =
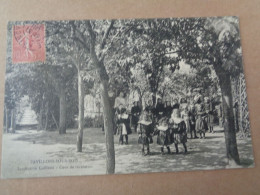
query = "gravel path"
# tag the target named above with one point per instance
(30, 153)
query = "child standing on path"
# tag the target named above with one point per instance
(163, 132)
(178, 127)
(200, 126)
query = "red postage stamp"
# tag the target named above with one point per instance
(28, 43)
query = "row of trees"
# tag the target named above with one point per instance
(105, 57)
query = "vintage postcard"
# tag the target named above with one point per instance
(88, 97)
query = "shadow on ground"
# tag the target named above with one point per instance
(90, 135)
(203, 154)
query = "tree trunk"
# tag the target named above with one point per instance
(55, 121)
(241, 107)
(40, 121)
(108, 126)
(13, 121)
(229, 123)
(62, 122)
(154, 99)
(107, 108)
(81, 113)
(6, 120)
(112, 103)
(46, 117)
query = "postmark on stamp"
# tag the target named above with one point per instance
(28, 43)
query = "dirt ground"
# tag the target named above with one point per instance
(31, 153)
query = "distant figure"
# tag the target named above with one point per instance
(220, 114)
(120, 100)
(139, 103)
(192, 120)
(167, 109)
(185, 116)
(123, 122)
(135, 111)
(176, 104)
(159, 109)
(183, 104)
(150, 109)
(200, 126)
(209, 114)
(199, 105)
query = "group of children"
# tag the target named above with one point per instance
(171, 123)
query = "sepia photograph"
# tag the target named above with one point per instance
(123, 96)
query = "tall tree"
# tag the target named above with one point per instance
(217, 43)
(74, 46)
(98, 40)
(222, 39)
(60, 54)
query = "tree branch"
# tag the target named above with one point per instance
(178, 51)
(102, 45)
(79, 36)
(96, 61)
